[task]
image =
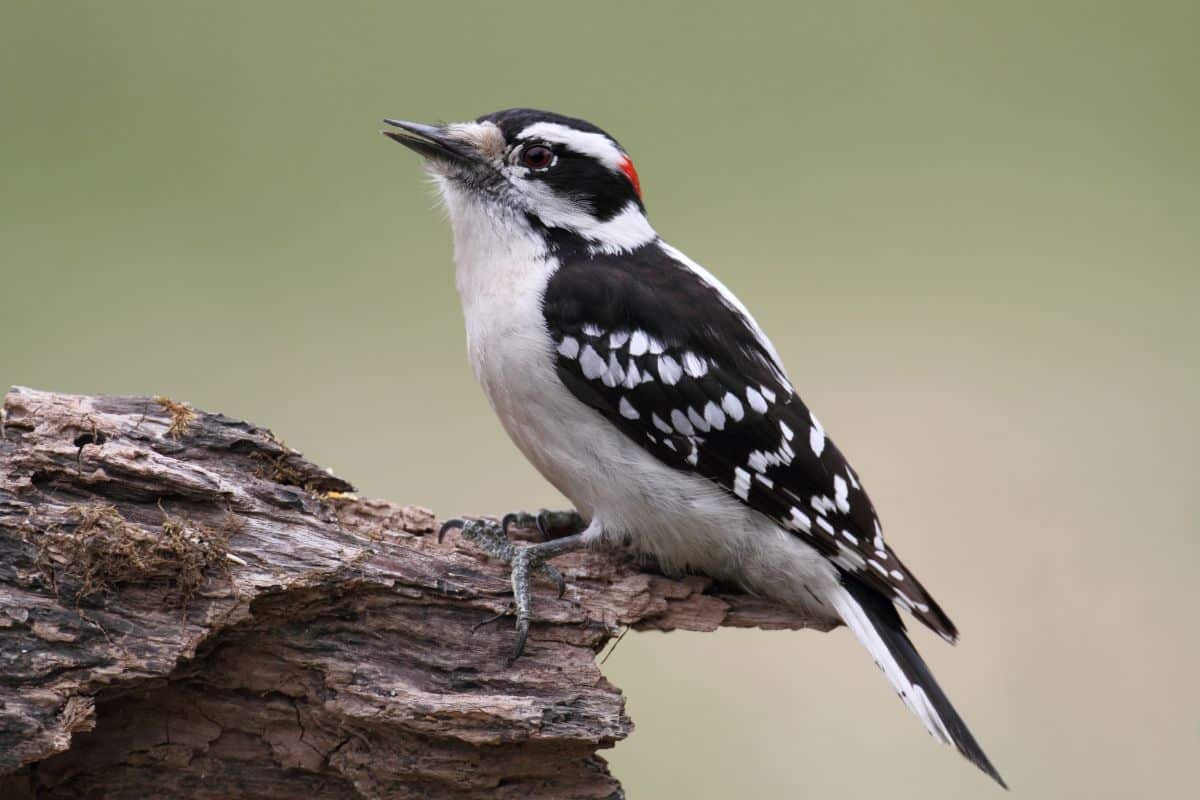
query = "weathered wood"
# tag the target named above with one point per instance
(189, 608)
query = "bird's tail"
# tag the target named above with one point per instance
(877, 625)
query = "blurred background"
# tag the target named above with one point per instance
(972, 230)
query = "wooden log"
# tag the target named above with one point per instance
(189, 608)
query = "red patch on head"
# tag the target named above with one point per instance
(631, 173)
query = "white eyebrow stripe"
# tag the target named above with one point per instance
(596, 145)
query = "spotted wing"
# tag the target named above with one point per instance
(673, 361)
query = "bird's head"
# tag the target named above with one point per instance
(565, 179)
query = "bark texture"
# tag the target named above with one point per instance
(189, 608)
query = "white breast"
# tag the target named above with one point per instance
(502, 272)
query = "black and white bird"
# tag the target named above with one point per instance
(646, 393)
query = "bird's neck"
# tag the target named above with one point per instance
(502, 266)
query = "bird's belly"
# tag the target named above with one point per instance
(683, 521)
(514, 368)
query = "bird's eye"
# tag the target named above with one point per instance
(537, 157)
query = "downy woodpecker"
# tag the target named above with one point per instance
(646, 393)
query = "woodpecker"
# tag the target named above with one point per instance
(646, 393)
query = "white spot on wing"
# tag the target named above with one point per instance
(658, 423)
(591, 363)
(732, 406)
(632, 376)
(669, 370)
(714, 415)
(639, 343)
(697, 420)
(569, 347)
(756, 400)
(741, 483)
(591, 329)
(841, 494)
(614, 374)
(617, 339)
(816, 436)
(681, 423)
(694, 365)
(627, 410)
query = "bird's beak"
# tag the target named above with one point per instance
(431, 142)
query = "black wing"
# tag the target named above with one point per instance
(675, 363)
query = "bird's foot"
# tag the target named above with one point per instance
(492, 538)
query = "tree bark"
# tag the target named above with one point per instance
(189, 608)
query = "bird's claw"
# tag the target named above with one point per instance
(522, 520)
(494, 618)
(551, 572)
(522, 636)
(492, 538)
(449, 525)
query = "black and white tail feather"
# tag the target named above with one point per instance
(879, 629)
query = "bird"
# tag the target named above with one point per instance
(644, 390)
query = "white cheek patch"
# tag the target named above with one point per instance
(626, 230)
(596, 145)
(555, 210)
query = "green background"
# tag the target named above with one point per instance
(970, 228)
